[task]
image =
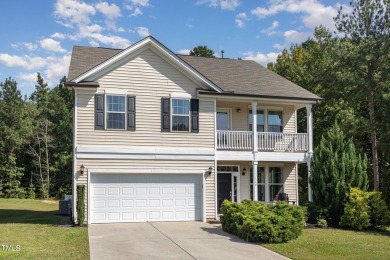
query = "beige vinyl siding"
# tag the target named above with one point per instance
(149, 78)
(290, 176)
(289, 119)
(240, 120)
(154, 164)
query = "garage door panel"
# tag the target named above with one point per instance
(140, 198)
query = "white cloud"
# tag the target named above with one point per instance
(144, 3)
(240, 20)
(109, 11)
(57, 68)
(29, 77)
(261, 58)
(293, 36)
(223, 4)
(137, 11)
(184, 52)
(70, 12)
(313, 12)
(135, 6)
(51, 45)
(271, 30)
(25, 62)
(28, 45)
(58, 35)
(110, 40)
(142, 31)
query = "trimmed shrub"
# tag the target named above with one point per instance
(80, 206)
(256, 222)
(356, 211)
(365, 209)
(322, 223)
(379, 213)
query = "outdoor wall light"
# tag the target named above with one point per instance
(82, 169)
(210, 170)
(238, 110)
(243, 171)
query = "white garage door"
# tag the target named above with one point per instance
(141, 198)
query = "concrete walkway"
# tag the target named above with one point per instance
(170, 240)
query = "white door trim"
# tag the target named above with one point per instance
(229, 111)
(147, 171)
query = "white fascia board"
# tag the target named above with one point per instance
(279, 101)
(262, 156)
(144, 171)
(145, 150)
(158, 46)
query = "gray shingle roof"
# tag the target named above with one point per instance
(239, 76)
(85, 58)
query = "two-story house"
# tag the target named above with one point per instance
(166, 137)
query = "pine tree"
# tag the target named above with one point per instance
(15, 129)
(336, 168)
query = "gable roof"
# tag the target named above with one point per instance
(234, 77)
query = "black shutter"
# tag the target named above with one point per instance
(195, 115)
(165, 115)
(99, 112)
(131, 113)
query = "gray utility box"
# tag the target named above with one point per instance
(64, 207)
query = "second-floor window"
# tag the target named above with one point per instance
(181, 115)
(267, 121)
(115, 112)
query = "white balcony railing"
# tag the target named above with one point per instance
(234, 140)
(266, 141)
(288, 142)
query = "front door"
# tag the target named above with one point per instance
(224, 191)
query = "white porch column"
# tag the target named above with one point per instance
(266, 184)
(255, 182)
(310, 127)
(310, 148)
(309, 190)
(254, 125)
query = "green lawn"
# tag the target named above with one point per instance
(33, 225)
(336, 244)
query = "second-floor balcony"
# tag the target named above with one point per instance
(266, 141)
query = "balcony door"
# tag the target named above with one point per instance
(223, 119)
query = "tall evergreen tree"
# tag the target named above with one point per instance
(336, 167)
(366, 58)
(15, 129)
(42, 141)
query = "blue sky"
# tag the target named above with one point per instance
(38, 36)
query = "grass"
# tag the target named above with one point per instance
(336, 244)
(33, 225)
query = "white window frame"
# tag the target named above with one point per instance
(268, 124)
(107, 112)
(267, 172)
(275, 183)
(258, 183)
(266, 110)
(172, 115)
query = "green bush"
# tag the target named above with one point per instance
(315, 213)
(80, 206)
(379, 213)
(322, 223)
(356, 211)
(256, 222)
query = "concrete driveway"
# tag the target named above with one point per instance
(170, 240)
